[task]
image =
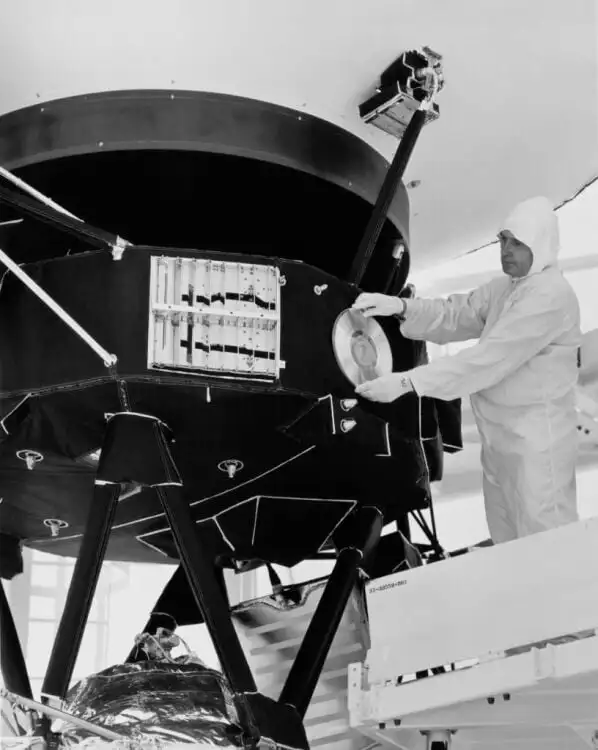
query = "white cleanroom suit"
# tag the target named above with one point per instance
(521, 377)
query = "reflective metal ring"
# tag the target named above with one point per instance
(30, 457)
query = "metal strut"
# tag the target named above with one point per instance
(305, 672)
(81, 590)
(12, 660)
(206, 590)
(109, 359)
(389, 187)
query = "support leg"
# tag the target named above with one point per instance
(12, 660)
(206, 589)
(81, 590)
(303, 677)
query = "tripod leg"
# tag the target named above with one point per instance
(12, 660)
(305, 672)
(207, 590)
(81, 590)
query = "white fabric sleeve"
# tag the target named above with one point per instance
(459, 317)
(531, 324)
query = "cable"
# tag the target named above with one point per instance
(582, 189)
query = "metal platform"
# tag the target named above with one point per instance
(272, 628)
(515, 627)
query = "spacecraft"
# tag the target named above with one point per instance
(198, 405)
(186, 219)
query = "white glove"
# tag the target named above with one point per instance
(371, 304)
(386, 388)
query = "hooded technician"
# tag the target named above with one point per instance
(521, 374)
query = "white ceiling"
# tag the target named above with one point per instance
(518, 113)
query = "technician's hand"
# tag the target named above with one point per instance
(386, 388)
(370, 304)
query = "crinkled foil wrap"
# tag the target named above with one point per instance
(156, 703)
